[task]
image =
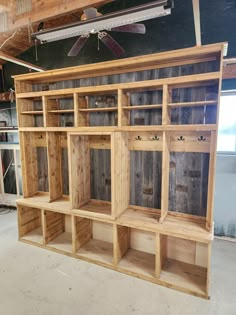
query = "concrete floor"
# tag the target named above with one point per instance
(35, 281)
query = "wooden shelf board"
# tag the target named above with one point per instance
(101, 109)
(98, 206)
(35, 236)
(32, 112)
(97, 250)
(174, 226)
(63, 242)
(142, 107)
(208, 127)
(138, 262)
(184, 275)
(61, 111)
(41, 201)
(190, 80)
(192, 104)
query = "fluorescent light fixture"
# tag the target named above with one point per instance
(105, 22)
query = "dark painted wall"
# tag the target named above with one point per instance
(218, 19)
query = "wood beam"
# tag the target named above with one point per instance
(197, 22)
(42, 11)
(229, 71)
(22, 63)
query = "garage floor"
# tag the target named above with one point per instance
(35, 281)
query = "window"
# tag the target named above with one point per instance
(227, 123)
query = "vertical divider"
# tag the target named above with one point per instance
(76, 109)
(120, 173)
(16, 172)
(79, 170)
(208, 268)
(166, 119)
(121, 242)
(211, 182)
(74, 236)
(54, 166)
(43, 223)
(165, 176)
(44, 105)
(29, 164)
(51, 120)
(123, 115)
(83, 117)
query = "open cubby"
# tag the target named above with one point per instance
(97, 110)
(141, 107)
(94, 240)
(35, 163)
(30, 113)
(193, 105)
(58, 233)
(60, 111)
(136, 250)
(188, 182)
(184, 263)
(91, 179)
(30, 224)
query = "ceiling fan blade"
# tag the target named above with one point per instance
(79, 44)
(107, 40)
(90, 13)
(131, 28)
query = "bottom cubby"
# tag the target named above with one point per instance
(93, 240)
(184, 263)
(136, 250)
(30, 224)
(176, 262)
(58, 231)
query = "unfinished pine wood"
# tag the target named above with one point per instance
(136, 140)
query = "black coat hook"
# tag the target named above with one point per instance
(155, 138)
(181, 138)
(138, 138)
(201, 138)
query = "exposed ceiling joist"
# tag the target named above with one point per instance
(20, 62)
(197, 22)
(45, 10)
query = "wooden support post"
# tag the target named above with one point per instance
(120, 173)
(165, 176)
(197, 22)
(54, 166)
(83, 117)
(166, 112)
(123, 115)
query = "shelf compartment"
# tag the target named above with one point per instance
(188, 182)
(59, 111)
(34, 158)
(96, 110)
(94, 240)
(140, 107)
(193, 105)
(184, 264)
(30, 113)
(145, 169)
(98, 164)
(58, 233)
(30, 224)
(136, 251)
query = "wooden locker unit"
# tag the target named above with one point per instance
(128, 182)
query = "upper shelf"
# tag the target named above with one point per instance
(149, 85)
(153, 61)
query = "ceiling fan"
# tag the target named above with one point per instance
(93, 22)
(103, 36)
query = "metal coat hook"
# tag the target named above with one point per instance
(181, 138)
(138, 138)
(41, 137)
(201, 138)
(155, 138)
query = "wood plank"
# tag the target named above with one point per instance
(197, 21)
(61, 111)
(142, 107)
(32, 112)
(100, 109)
(131, 86)
(165, 177)
(189, 104)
